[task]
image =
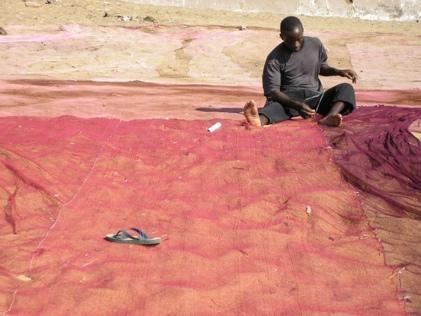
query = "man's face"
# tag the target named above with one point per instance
(293, 40)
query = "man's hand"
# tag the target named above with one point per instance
(326, 70)
(350, 74)
(305, 111)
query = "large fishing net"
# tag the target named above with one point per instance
(379, 155)
(253, 221)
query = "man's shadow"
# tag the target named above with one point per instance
(237, 110)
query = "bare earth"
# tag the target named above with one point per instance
(73, 40)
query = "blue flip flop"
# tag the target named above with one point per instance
(124, 237)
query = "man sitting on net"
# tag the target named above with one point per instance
(292, 86)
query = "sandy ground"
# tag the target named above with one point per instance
(73, 40)
(96, 41)
(52, 53)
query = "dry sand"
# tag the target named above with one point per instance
(73, 40)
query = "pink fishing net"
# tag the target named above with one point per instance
(378, 154)
(253, 222)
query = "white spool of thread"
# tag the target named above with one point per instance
(214, 127)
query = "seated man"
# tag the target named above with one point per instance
(291, 82)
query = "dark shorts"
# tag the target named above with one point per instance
(276, 112)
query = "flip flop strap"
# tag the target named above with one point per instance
(122, 234)
(125, 234)
(142, 235)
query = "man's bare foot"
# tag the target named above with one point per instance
(331, 120)
(251, 114)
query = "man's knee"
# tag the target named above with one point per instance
(345, 92)
(345, 88)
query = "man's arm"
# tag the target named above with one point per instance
(305, 110)
(271, 86)
(326, 70)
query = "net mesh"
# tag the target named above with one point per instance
(378, 154)
(255, 222)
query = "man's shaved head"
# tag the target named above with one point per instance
(291, 24)
(292, 33)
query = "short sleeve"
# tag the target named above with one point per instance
(271, 76)
(323, 54)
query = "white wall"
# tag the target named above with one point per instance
(365, 9)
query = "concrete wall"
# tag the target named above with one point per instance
(365, 9)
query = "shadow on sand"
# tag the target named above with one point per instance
(238, 110)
